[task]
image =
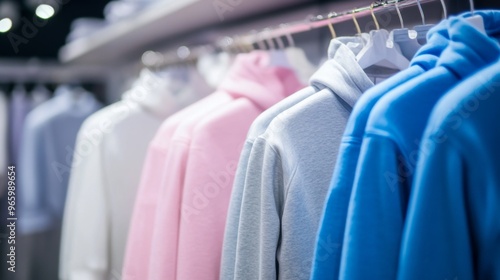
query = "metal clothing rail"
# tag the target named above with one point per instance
(333, 18)
(265, 38)
(49, 72)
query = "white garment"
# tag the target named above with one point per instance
(4, 123)
(107, 163)
(39, 94)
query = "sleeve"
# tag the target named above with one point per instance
(328, 250)
(3, 142)
(233, 216)
(85, 230)
(437, 237)
(259, 227)
(376, 212)
(34, 214)
(165, 235)
(139, 240)
(209, 178)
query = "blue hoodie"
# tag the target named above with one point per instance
(331, 234)
(453, 226)
(389, 151)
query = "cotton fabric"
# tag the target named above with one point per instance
(288, 173)
(331, 234)
(389, 152)
(452, 226)
(253, 84)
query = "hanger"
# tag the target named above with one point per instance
(213, 65)
(268, 39)
(376, 52)
(279, 42)
(298, 60)
(354, 43)
(291, 42)
(330, 24)
(422, 29)
(445, 10)
(258, 40)
(401, 37)
(358, 30)
(277, 57)
(476, 20)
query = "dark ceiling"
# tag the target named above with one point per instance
(49, 38)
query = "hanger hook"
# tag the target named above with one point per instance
(399, 14)
(269, 39)
(471, 2)
(279, 41)
(239, 44)
(421, 11)
(355, 20)
(289, 37)
(330, 24)
(249, 44)
(374, 17)
(258, 39)
(445, 10)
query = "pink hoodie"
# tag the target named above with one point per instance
(169, 198)
(192, 214)
(138, 249)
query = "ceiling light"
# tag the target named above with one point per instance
(44, 11)
(5, 25)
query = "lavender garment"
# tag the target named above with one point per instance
(19, 107)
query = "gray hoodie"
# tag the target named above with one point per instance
(279, 190)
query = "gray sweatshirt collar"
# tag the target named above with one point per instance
(341, 74)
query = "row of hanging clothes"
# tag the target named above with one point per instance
(378, 164)
(35, 122)
(16, 102)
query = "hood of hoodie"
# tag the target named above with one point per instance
(469, 49)
(162, 96)
(437, 41)
(253, 76)
(425, 59)
(341, 66)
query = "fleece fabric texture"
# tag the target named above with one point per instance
(163, 253)
(138, 248)
(192, 214)
(259, 127)
(389, 152)
(289, 171)
(452, 227)
(107, 175)
(331, 234)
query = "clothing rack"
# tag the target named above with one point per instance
(333, 18)
(49, 72)
(266, 38)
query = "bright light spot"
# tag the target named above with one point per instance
(44, 11)
(5, 25)
(183, 52)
